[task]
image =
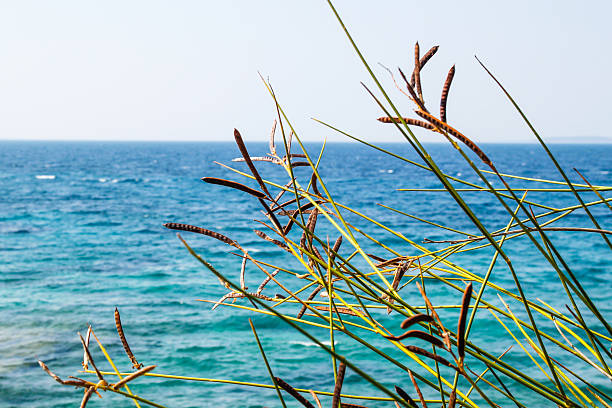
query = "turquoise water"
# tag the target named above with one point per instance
(81, 233)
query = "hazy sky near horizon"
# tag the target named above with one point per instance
(188, 70)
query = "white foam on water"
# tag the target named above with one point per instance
(311, 344)
(45, 176)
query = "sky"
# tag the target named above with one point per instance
(189, 70)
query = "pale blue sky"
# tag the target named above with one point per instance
(187, 70)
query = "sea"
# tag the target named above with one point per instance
(81, 233)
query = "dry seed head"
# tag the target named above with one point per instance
(338, 387)
(465, 307)
(248, 161)
(418, 318)
(233, 184)
(424, 60)
(445, 90)
(410, 121)
(291, 391)
(199, 230)
(126, 346)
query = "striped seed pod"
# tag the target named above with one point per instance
(454, 132)
(445, 90)
(424, 60)
(312, 295)
(276, 242)
(198, 230)
(410, 121)
(126, 346)
(417, 71)
(341, 310)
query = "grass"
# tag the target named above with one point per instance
(361, 285)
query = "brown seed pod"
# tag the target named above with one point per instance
(417, 71)
(88, 392)
(248, 161)
(417, 389)
(410, 121)
(425, 353)
(312, 295)
(313, 182)
(454, 132)
(418, 318)
(78, 383)
(335, 249)
(132, 376)
(341, 310)
(291, 391)
(405, 396)
(265, 281)
(452, 399)
(90, 358)
(276, 242)
(338, 387)
(295, 213)
(233, 184)
(126, 346)
(376, 258)
(445, 90)
(465, 307)
(198, 230)
(310, 227)
(271, 216)
(424, 60)
(419, 335)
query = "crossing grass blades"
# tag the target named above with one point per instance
(364, 291)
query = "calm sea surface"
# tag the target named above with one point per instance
(81, 233)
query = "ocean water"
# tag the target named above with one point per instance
(81, 233)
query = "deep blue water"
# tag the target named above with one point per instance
(81, 233)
